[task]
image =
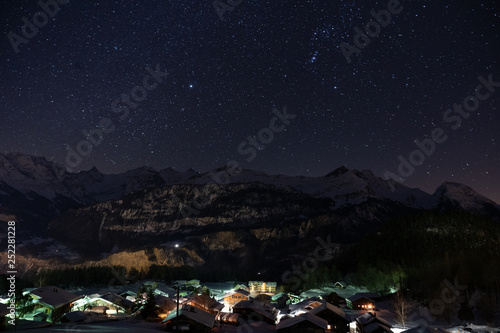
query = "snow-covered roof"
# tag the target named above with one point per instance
(225, 286)
(330, 307)
(374, 326)
(370, 317)
(54, 296)
(304, 317)
(255, 306)
(237, 291)
(116, 299)
(369, 295)
(195, 314)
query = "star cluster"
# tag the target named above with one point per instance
(227, 73)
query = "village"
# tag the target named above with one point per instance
(191, 306)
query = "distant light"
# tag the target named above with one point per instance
(190, 86)
(176, 245)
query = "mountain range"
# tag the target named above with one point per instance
(268, 215)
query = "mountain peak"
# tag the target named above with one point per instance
(338, 172)
(451, 195)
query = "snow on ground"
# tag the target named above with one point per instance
(347, 292)
(122, 326)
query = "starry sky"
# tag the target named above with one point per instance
(229, 67)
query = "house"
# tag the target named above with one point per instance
(205, 302)
(371, 323)
(336, 318)
(113, 302)
(218, 289)
(53, 301)
(305, 305)
(191, 319)
(116, 302)
(235, 296)
(306, 322)
(360, 302)
(229, 318)
(261, 287)
(165, 304)
(335, 299)
(340, 285)
(252, 309)
(162, 289)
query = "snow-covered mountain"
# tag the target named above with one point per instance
(37, 190)
(345, 186)
(452, 196)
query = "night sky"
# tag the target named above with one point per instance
(228, 71)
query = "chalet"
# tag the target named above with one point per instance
(360, 301)
(340, 285)
(371, 323)
(336, 318)
(305, 305)
(116, 302)
(335, 299)
(162, 289)
(191, 319)
(113, 302)
(235, 296)
(165, 304)
(250, 309)
(219, 289)
(53, 301)
(229, 318)
(205, 302)
(261, 287)
(306, 322)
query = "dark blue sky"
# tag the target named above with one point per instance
(226, 76)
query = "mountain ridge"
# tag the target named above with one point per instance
(28, 182)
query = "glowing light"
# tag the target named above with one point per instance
(176, 245)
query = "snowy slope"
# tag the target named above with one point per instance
(35, 185)
(345, 186)
(454, 195)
